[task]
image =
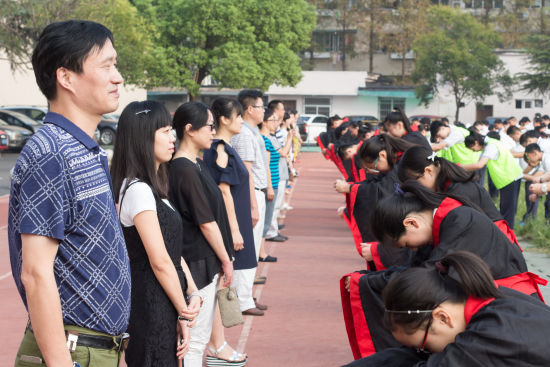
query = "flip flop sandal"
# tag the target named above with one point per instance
(236, 360)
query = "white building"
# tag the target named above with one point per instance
(20, 88)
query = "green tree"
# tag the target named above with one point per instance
(23, 21)
(538, 77)
(408, 22)
(456, 52)
(514, 23)
(239, 43)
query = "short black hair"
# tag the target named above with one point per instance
(527, 135)
(512, 130)
(534, 147)
(223, 106)
(274, 103)
(65, 44)
(247, 97)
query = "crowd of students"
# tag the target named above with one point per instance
(191, 202)
(442, 262)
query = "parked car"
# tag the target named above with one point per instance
(36, 113)
(18, 119)
(3, 140)
(106, 130)
(431, 117)
(311, 126)
(492, 119)
(17, 136)
(364, 119)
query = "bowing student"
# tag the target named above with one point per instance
(397, 125)
(454, 310)
(439, 174)
(504, 170)
(433, 225)
(378, 155)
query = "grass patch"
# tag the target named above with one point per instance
(535, 231)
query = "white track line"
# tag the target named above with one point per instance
(248, 320)
(8, 274)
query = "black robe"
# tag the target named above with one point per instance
(463, 228)
(510, 331)
(417, 138)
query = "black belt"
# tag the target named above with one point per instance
(97, 341)
(262, 190)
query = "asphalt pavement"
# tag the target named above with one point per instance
(7, 161)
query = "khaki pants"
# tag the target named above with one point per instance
(86, 357)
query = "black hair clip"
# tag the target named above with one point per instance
(398, 189)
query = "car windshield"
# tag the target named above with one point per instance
(302, 119)
(24, 118)
(3, 123)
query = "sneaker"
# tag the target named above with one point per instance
(277, 239)
(268, 259)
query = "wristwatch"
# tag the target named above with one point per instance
(544, 188)
(76, 364)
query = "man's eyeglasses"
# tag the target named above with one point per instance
(212, 126)
(262, 107)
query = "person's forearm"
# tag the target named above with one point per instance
(286, 148)
(191, 286)
(212, 233)
(230, 209)
(46, 317)
(168, 278)
(253, 202)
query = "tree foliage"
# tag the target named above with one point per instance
(456, 52)
(23, 22)
(538, 77)
(239, 43)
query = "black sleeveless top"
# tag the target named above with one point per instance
(153, 318)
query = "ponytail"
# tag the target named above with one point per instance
(394, 117)
(372, 147)
(416, 159)
(389, 213)
(410, 296)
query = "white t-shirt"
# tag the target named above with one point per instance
(491, 152)
(455, 137)
(544, 144)
(138, 198)
(508, 142)
(520, 148)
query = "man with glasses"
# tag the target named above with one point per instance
(251, 148)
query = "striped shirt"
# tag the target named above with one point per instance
(273, 162)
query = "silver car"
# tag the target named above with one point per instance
(17, 136)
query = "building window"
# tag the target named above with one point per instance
(387, 104)
(317, 106)
(529, 103)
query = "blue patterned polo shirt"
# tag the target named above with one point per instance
(61, 188)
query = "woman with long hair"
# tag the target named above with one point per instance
(208, 244)
(230, 173)
(453, 309)
(160, 317)
(439, 174)
(503, 168)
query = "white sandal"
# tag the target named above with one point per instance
(236, 360)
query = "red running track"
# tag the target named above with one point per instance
(304, 325)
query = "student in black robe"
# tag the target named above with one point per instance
(439, 174)
(433, 225)
(378, 155)
(453, 310)
(397, 125)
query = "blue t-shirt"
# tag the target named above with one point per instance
(273, 162)
(61, 188)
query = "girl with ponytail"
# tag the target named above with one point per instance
(441, 175)
(397, 125)
(503, 168)
(453, 309)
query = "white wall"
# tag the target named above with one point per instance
(19, 88)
